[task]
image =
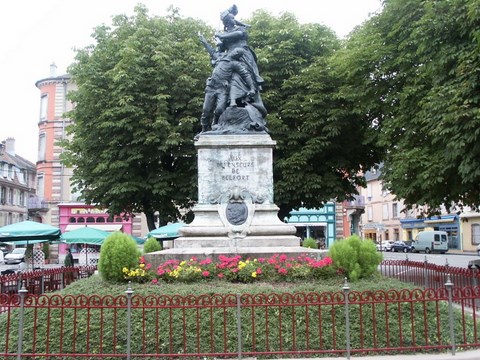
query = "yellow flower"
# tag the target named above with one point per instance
(142, 266)
(125, 270)
(183, 262)
(241, 265)
(254, 274)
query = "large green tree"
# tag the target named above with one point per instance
(418, 61)
(323, 141)
(140, 88)
(140, 92)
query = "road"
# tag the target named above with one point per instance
(454, 259)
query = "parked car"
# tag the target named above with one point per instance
(385, 245)
(402, 246)
(431, 241)
(16, 256)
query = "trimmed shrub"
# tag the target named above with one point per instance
(357, 258)
(151, 245)
(309, 243)
(118, 251)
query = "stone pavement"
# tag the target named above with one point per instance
(459, 355)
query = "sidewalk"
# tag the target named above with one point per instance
(459, 355)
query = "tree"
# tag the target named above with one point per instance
(323, 141)
(418, 63)
(140, 88)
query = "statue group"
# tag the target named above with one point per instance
(233, 104)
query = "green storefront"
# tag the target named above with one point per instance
(318, 224)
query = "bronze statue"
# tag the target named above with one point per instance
(239, 107)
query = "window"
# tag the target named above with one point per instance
(21, 200)
(40, 186)
(10, 196)
(42, 139)
(370, 213)
(475, 234)
(395, 211)
(369, 192)
(3, 195)
(385, 211)
(43, 106)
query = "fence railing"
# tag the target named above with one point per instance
(429, 275)
(42, 281)
(441, 317)
(233, 325)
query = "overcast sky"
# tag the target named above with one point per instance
(35, 33)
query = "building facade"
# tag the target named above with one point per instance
(17, 186)
(55, 195)
(381, 220)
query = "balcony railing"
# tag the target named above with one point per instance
(37, 203)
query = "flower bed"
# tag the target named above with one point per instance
(278, 267)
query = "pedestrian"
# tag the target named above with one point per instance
(68, 262)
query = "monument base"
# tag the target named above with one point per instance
(236, 213)
(159, 257)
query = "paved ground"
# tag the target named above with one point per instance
(459, 355)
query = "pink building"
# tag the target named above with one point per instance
(60, 205)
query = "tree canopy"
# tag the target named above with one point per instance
(416, 63)
(140, 88)
(322, 143)
(402, 89)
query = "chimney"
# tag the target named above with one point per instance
(53, 69)
(10, 146)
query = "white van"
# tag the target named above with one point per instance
(431, 241)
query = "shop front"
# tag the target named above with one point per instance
(318, 224)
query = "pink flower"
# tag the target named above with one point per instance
(261, 260)
(160, 272)
(206, 273)
(206, 261)
(220, 275)
(283, 257)
(283, 271)
(154, 281)
(259, 271)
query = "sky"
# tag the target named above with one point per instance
(37, 33)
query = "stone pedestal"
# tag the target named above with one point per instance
(235, 196)
(235, 214)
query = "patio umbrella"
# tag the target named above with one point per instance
(85, 235)
(29, 232)
(167, 231)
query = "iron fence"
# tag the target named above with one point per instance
(442, 316)
(233, 325)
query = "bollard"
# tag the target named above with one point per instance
(22, 292)
(346, 290)
(239, 327)
(449, 287)
(129, 293)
